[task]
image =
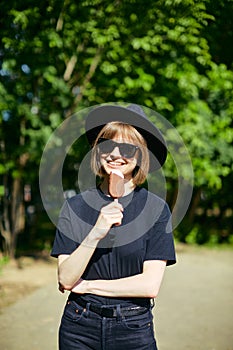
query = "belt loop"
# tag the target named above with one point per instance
(152, 303)
(87, 309)
(118, 313)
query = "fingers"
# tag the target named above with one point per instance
(61, 288)
(112, 208)
(110, 215)
(113, 213)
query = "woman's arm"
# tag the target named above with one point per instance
(145, 285)
(71, 267)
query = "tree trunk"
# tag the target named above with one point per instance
(17, 214)
(12, 220)
(194, 204)
(5, 227)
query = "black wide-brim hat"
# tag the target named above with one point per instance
(135, 116)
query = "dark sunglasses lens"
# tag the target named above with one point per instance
(106, 146)
(126, 150)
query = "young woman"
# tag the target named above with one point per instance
(112, 254)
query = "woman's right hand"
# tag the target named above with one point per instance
(71, 267)
(110, 215)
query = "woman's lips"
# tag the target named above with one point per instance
(115, 165)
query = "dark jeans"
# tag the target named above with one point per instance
(82, 329)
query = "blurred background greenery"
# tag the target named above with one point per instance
(59, 57)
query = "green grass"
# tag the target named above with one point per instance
(3, 261)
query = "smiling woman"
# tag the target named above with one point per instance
(121, 145)
(112, 255)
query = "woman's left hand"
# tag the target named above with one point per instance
(80, 287)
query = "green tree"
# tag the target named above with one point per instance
(58, 57)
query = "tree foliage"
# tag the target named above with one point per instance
(58, 57)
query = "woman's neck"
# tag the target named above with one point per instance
(129, 186)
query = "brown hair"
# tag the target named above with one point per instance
(128, 132)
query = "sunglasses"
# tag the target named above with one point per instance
(127, 150)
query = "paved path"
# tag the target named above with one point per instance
(193, 312)
(195, 306)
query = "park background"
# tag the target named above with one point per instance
(60, 57)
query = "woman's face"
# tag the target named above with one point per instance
(123, 157)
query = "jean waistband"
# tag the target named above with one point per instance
(109, 311)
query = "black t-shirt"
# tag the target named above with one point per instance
(145, 234)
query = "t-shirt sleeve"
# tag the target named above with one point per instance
(65, 241)
(160, 242)
(62, 245)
